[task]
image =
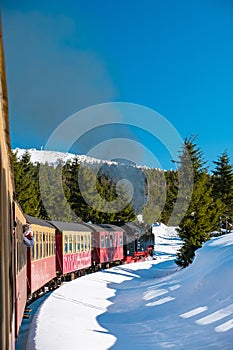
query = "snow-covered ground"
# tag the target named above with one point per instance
(148, 305)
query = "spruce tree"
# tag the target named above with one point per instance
(91, 196)
(156, 195)
(171, 177)
(42, 213)
(70, 185)
(53, 196)
(203, 212)
(222, 180)
(26, 189)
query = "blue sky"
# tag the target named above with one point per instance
(173, 57)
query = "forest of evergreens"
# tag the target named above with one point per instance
(196, 201)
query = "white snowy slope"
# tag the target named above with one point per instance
(53, 157)
(147, 305)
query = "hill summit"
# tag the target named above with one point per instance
(54, 157)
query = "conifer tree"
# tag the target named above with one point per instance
(222, 180)
(53, 194)
(42, 213)
(127, 213)
(171, 177)
(26, 190)
(203, 212)
(93, 201)
(156, 195)
(71, 188)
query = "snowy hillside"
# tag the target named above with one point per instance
(150, 305)
(53, 157)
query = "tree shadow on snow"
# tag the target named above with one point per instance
(153, 311)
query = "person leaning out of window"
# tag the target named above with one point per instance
(28, 237)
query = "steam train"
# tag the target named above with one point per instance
(61, 250)
(64, 251)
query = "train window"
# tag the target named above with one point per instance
(78, 243)
(89, 242)
(102, 241)
(43, 246)
(120, 239)
(107, 241)
(74, 243)
(53, 244)
(33, 249)
(36, 245)
(40, 242)
(85, 243)
(40, 245)
(49, 244)
(46, 245)
(70, 244)
(65, 244)
(81, 247)
(111, 241)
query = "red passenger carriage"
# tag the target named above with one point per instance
(73, 245)
(107, 241)
(41, 259)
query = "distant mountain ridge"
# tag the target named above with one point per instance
(53, 157)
